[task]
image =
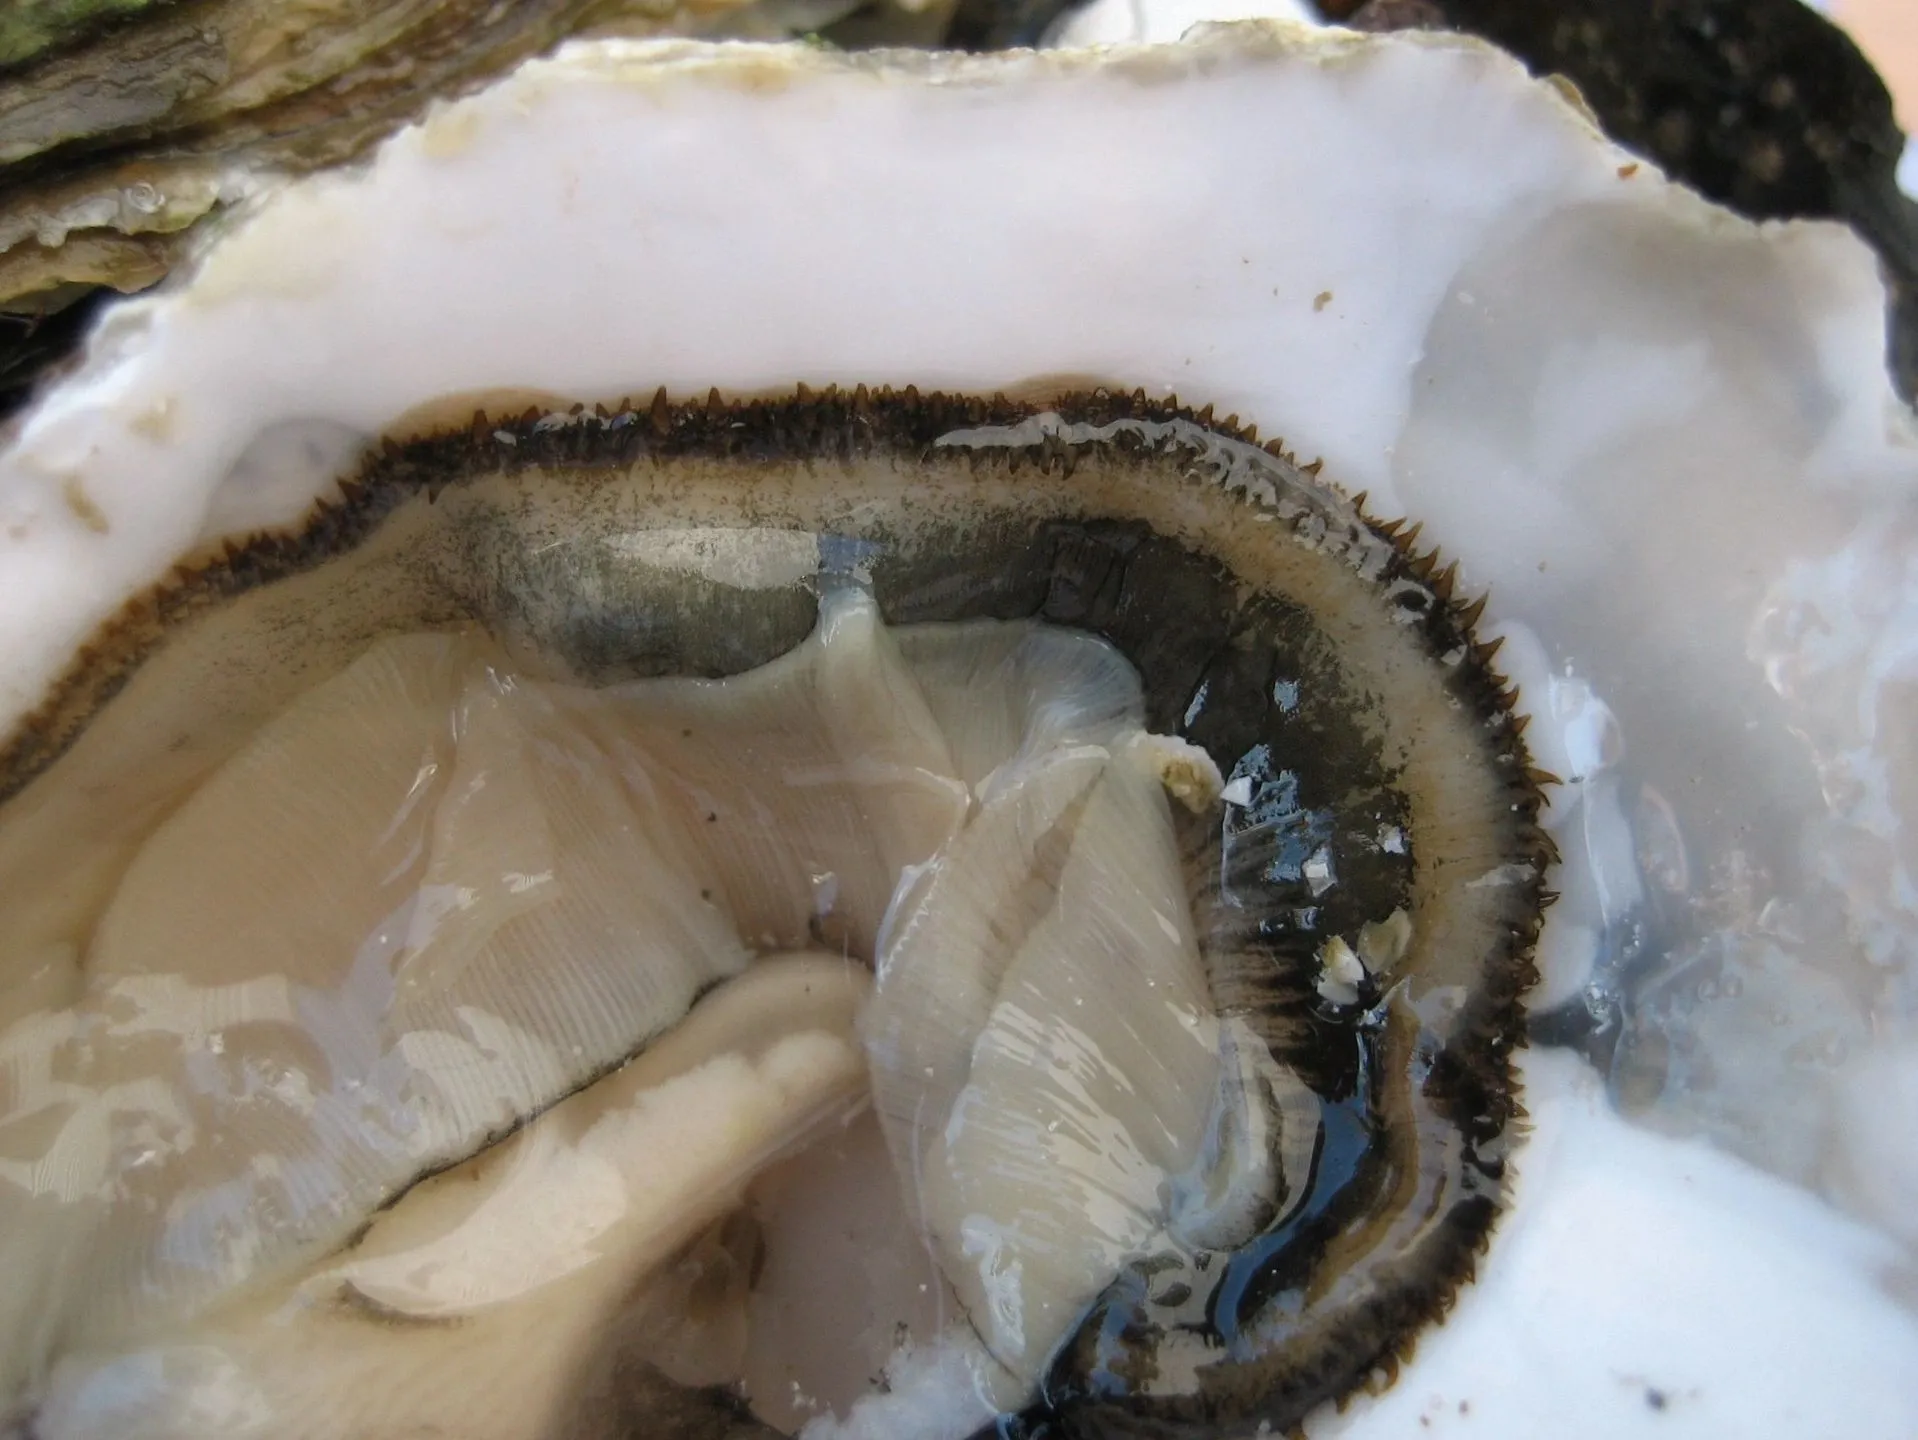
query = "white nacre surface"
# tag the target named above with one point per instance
(1642, 1287)
(1662, 437)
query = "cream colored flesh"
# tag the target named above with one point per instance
(437, 884)
(426, 901)
(483, 1301)
(629, 1170)
(1001, 1006)
(1080, 1153)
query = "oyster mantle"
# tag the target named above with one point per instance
(1381, 805)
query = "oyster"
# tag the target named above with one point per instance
(1564, 351)
(1096, 1062)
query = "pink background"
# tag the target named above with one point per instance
(1888, 32)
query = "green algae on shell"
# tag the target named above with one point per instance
(1379, 786)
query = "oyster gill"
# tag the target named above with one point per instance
(1323, 274)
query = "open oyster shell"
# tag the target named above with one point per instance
(1661, 438)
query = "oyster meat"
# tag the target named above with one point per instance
(1119, 1066)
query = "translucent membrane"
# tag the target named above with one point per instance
(488, 1302)
(410, 912)
(431, 902)
(1089, 1083)
(1044, 1050)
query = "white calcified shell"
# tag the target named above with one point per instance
(1662, 437)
